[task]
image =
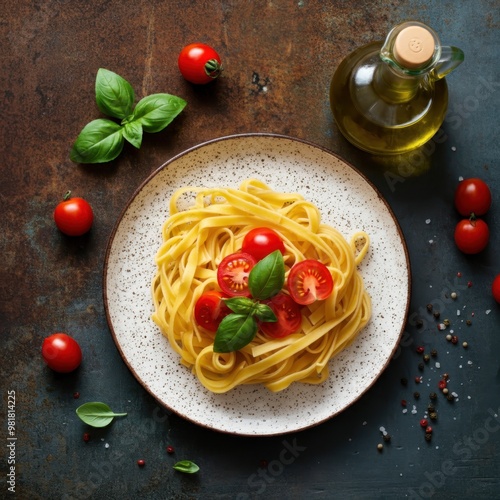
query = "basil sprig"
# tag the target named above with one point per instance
(239, 328)
(102, 139)
(97, 414)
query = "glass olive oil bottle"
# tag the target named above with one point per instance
(391, 97)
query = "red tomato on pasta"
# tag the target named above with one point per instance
(308, 281)
(288, 313)
(233, 272)
(210, 309)
(261, 241)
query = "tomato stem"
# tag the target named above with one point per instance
(67, 196)
(213, 68)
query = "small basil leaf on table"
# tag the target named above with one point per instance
(235, 331)
(156, 111)
(132, 131)
(97, 414)
(100, 140)
(114, 95)
(186, 466)
(267, 277)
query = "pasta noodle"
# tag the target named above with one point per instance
(200, 233)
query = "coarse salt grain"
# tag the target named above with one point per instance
(488, 311)
(427, 221)
(438, 364)
(453, 148)
(405, 411)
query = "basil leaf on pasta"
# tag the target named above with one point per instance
(235, 331)
(267, 277)
(265, 313)
(241, 305)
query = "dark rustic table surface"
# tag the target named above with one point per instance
(279, 58)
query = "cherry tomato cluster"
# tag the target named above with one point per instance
(472, 200)
(308, 281)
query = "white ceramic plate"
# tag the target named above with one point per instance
(347, 201)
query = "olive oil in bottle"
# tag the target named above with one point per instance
(391, 97)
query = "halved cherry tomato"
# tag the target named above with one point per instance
(472, 235)
(232, 274)
(308, 281)
(288, 313)
(472, 196)
(210, 309)
(262, 241)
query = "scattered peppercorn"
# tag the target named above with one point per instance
(454, 339)
(465, 345)
(429, 307)
(448, 337)
(86, 437)
(436, 314)
(424, 422)
(416, 395)
(469, 284)
(76, 395)
(418, 380)
(380, 447)
(442, 384)
(428, 436)
(419, 323)
(420, 349)
(427, 358)
(453, 295)
(403, 402)
(433, 395)
(387, 438)
(447, 322)
(459, 274)
(430, 408)
(141, 463)
(170, 449)
(450, 397)
(434, 353)
(445, 390)
(468, 322)
(433, 415)
(446, 376)
(428, 429)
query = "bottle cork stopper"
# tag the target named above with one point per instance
(414, 47)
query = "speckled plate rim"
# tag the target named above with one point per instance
(242, 426)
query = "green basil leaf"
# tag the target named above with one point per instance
(186, 466)
(267, 277)
(265, 313)
(156, 111)
(241, 305)
(97, 414)
(100, 141)
(114, 95)
(235, 331)
(132, 131)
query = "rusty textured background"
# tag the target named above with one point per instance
(279, 57)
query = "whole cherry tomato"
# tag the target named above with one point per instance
(472, 196)
(73, 216)
(61, 353)
(308, 281)
(495, 288)
(233, 272)
(261, 241)
(199, 63)
(210, 309)
(472, 235)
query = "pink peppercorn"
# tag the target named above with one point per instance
(442, 384)
(423, 422)
(170, 449)
(141, 463)
(86, 437)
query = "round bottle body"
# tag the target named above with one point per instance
(380, 111)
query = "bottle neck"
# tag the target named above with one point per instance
(393, 86)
